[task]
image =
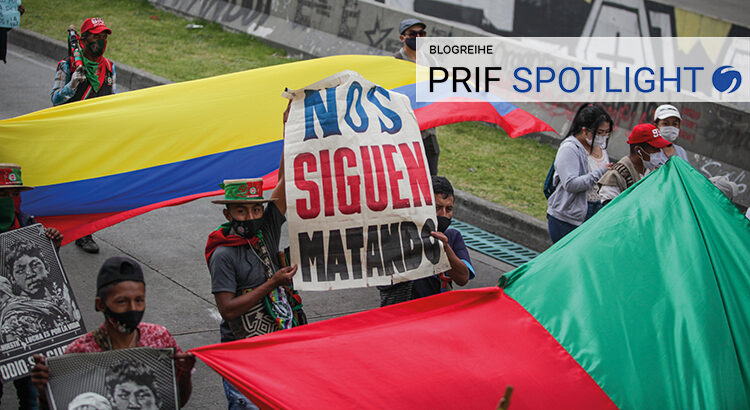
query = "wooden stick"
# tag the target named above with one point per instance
(505, 401)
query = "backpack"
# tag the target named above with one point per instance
(549, 183)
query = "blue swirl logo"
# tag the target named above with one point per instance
(724, 77)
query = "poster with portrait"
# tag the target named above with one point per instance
(359, 196)
(38, 313)
(138, 378)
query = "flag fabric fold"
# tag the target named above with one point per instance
(100, 161)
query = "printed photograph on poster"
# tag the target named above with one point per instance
(137, 378)
(38, 312)
(360, 207)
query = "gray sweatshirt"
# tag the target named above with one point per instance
(568, 203)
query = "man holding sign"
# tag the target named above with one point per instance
(361, 208)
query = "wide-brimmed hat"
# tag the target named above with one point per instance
(242, 191)
(10, 177)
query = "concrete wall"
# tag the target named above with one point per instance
(717, 136)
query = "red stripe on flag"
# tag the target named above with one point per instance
(455, 350)
(516, 123)
(76, 226)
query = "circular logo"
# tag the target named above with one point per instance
(12, 177)
(726, 76)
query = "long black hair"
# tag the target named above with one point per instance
(589, 116)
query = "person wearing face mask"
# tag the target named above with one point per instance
(409, 30)
(569, 206)
(121, 297)
(646, 145)
(95, 78)
(667, 118)
(461, 270)
(251, 288)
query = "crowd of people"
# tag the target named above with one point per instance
(584, 180)
(250, 277)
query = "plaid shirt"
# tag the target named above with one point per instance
(61, 90)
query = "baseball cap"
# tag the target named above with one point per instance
(665, 111)
(408, 23)
(649, 134)
(118, 269)
(94, 25)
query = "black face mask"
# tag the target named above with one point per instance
(125, 322)
(97, 51)
(443, 223)
(247, 229)
(411, 42)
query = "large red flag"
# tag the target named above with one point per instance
(454, 350)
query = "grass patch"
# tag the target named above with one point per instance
(484, 161)
(155, 40)
(507, 171)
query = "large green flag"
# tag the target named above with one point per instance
(651, 296)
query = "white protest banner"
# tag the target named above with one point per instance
(359, 195)
(9, 15)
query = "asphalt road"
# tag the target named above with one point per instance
(169, 243)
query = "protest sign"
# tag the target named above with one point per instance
(141, 377)
(359, 195)
(9, 15)
(38, 313)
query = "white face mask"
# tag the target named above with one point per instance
(601, 142)
(656, 159)
(669, 133)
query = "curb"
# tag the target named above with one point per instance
(497, 219)
(130, 77)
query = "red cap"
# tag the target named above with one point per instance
(647, 133)
(94, 25)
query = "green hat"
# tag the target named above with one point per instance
(10, 177)
(243, 191)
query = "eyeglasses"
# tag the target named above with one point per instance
(412, 33)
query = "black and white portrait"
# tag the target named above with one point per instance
(137, 378)
(38, 313)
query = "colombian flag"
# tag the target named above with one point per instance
(644, 306)
(98, 162)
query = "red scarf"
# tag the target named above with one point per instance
(219, 238)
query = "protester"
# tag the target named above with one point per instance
(597, 158)
(461, 270)
(4, 37)
(11, 217)
(668, 119)
(251, 288)
(568, 206)
(95, 78)
(409, 30)
(646, 154)
(121, 297)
